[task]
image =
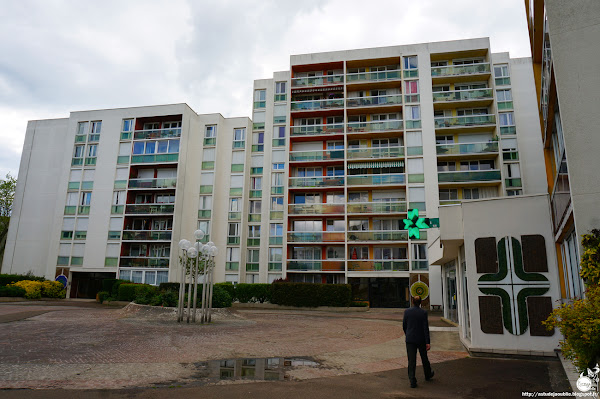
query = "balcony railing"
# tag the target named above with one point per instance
(374, 126)
(390, 99)
(153, 183)
(316, 236)
(318, 81)
(134, 261)
(318, 181)
(466, 121)
(315, 265)
(314, 130)
(463, 95)
(375, 152)
(150, 209)
(458, 70)
(315, 209)
(324, 155)
(146, 235)
(467, 148)
(156, 133)
(154, 158)
(377, 207)
(377, 265)
(373, 76)
(380, 235)
(468, 176)
(315, 105)
(376, 180)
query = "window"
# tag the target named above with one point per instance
(233, 230)
(506, 118)
(204, 225)
(335, 171)
(413, 112)
(127, 125)
(446, 166)
(501, 71)
(171, 125)
(277, 203)
(278, 166)
(96, 127)
(358, 225)
(336, 252)
(476, 165)
(256, 183)
(78, 151)
(389, 253)
(471, 193)
(253, 255)
(235, 205)
(358, 197)
(211, 132)
(411, 87)
(335, 198)
(308, 225)
(307, 199)
(335, 225)
(307, 253)
(448, 195)
(255, 206)
(92, 150)
(254, 231)
(277, 179)
(444, 139)
(151, 126)
(275, 254)
(386, 224)
(119, 197)
(239, 134)
(410, 62)
(276, 230)
(86, 198)
(280, 87)
(260, 95)
(420, 251)
(205, 202)
(504, 95)
(155, 147)
(358, 252)
(279, 132)
(232, 255)
(309, 172)
(82, 128)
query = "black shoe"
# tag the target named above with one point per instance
(430, 376)
(413, 384)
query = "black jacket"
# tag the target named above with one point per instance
(416, 326)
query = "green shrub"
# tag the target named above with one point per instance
(590, 259)
(126, 292)
(103, 296)
(169, 286)
(220, 297)
(144, 293)
(109, 283)
(6, 279)
(53, 289)
(253, 292)
(169, 298)
(114, 293)
(230, 288)
(12, 290)
(311, 295)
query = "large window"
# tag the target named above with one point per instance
(155, 147)
(211, 132)
(277, 203)
(276, 230)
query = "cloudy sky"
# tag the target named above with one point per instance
(60, 56)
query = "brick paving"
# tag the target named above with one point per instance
(91, 347)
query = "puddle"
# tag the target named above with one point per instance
(251, 369)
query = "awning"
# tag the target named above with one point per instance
(383, 164)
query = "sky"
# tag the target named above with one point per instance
(60, 56)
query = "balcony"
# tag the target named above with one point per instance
(376, 207)
(315, 209)
(312, 81)
(467, 148)
(299, 265)
(369, 101)
(309, 156)
(146, 235)
(374, 152)
(468, 176)
(153, 183)
(317, 105)
(149, 209)
(136, 261)
(375, 126)
(376, 180)
(377, 265)
(316, 236)
(465, 121)
(315, 130)
(381, 235)
(157, 134)
(459, 72)
(316, 182)
(373, 76)
(154, 158)
(463, 95)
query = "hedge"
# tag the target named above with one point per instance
(109, 283)
(253, 292)
(12, 290)
(230, 288)
(126, 292)
(311, 295)
(53, 289)
(6, 279)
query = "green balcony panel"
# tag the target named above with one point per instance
(309, 156)
(83, 210)
(419, 265)
(313, 105)
(254, 217)
(412, 98)
(120, 184)
(411, 151)
(416, 178)
(143, 262)
(316, 236)
(232, 266)
(463, 95)
(239, 144)
(376, 207)
(253, 242)
(279, 119)
(411, 73)
(62, 261)
(73, 185)
(378, 265)
(260, 104)
(304, 265)
(510, 156)
(117, 209)
(394, 99)
(508, 130)
(318, 81)
(210, 141)
(93, 138)
(157, 133)
(114, 235)
(258, 126)
(252, 267)
(275, 266)
(66, 235)
(70, 210)
(412, 124)
(233, 240)
(76, 260)
(315, 209)
(322, 181)
(374, 152)
(279, 142)
(236, 191)
(126, 135)
(280, 97)
(255, 193)
(151, 209)
(80, 235)
(464, 121)
(123, 159)
(147, 235)
(513, 183)
(111, 262)
(80, 138)
(206, 189)
(373, 76)
(468, 176)
(235, 215)
(238, 167)
(77, 162)
(170, 182)
(502, 81)
(90, 161)
(275, 240)
(314, 130)
(204, 214)
(457, 70)
(256, 171)
(258, 147)
(276, 190)
(387, 235)
(375, 126)
(276, 215)
(504, 105)
(468, 148)
(154, 158)
(208, 165)
(417, 205)
(374, 180)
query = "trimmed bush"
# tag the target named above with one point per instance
(53, 289)
(168, 298)
(220, 297)
(253, 292)
(145, 293)
(103, 296)
(6, 279)
(126, 292)
(11, 290)
(33, 289)
(311, 295)
(169, 286)
(109, 283)
(230, 288)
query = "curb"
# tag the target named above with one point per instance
(270, 306)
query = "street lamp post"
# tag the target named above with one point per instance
(184, 245)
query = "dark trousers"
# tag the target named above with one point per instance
(411, 352)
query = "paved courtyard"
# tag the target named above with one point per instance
(83, 346)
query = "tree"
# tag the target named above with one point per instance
(7, 196)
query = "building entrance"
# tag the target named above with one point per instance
(389, 292)
(87, 285)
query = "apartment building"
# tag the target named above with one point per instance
(563, 38)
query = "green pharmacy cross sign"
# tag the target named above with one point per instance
(414, 223)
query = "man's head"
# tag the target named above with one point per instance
(416, 300)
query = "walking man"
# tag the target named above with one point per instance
(416, 330)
